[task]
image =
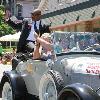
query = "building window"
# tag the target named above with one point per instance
(59, 1)
(4, 2)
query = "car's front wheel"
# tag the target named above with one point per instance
(51, 84)
(7, 92)
(10, 93)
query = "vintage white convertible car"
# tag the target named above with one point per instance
(71, 72)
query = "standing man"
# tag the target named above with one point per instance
(29, 33)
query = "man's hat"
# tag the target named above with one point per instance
(36, 11)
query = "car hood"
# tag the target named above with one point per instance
(85, 65)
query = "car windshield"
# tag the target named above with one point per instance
(76, 41)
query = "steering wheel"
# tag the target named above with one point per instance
(95, 47)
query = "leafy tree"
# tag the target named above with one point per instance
(4, 28)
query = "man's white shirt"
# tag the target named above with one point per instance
(32, 32)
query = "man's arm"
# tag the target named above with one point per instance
(14, 25)
(11, 21)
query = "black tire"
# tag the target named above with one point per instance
(9, 89)
(53, 79)
(69, 95)
(8, 92)
(78, 91)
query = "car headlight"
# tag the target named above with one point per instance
(29, 68)
(67, 67)
(64, 62)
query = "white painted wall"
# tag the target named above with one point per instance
(28, 6)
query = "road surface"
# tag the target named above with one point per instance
(2, 69)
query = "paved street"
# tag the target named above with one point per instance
(2, 69)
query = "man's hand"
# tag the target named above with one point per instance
(36, 35)
(13, 18)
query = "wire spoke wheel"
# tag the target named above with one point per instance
(7, 92)
(50, 86)
(48, 90)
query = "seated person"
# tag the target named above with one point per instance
(43, 47)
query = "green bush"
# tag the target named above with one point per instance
(4, 28)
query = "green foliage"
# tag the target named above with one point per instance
(4, 28)
(1, 12)
(2, 7)
(7, 50)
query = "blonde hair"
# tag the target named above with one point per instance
(46, 35)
